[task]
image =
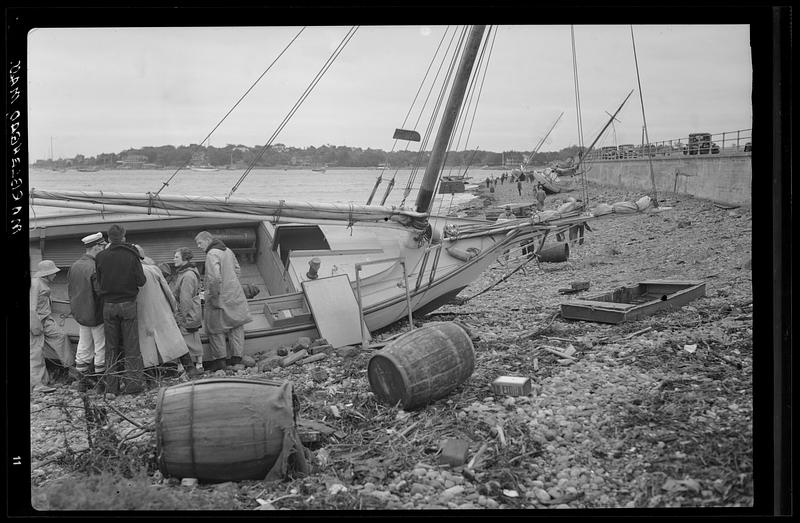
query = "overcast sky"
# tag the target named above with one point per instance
(96, 90)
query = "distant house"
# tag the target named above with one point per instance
(512, 159)
(133, 161)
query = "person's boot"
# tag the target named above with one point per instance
(235, 360)
(188, 366)
(222, 364)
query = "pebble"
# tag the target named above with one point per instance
(541, 494)
(419, 488)
(453, 491)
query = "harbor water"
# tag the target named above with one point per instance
(332, 186)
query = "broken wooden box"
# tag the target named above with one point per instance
(512, 386)
(637, 301)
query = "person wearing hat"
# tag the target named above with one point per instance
(506, 215)
(226, 310)
(87, 309)
(119, 276)
(47, 338)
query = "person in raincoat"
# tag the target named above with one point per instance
(185, 286)
(47, 337)
(160, 339)
(226, 310)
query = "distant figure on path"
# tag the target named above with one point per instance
(519, 183)
(87, 309)
(540, 196)
(226, 309)
(119, 276)
(48, 340)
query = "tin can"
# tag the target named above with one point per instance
(512, 386)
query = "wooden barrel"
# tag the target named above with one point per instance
(222, 429)
(556, 253)
(422, 366)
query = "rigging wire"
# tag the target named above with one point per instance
(483, 61)
(165, 184)
(644, 121)
(437, 108)
(578, 111)
(463, 116)
(334, 55)
(426, 135)
(410, 108)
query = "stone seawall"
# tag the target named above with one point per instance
(720, 178)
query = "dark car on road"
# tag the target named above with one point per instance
(700, 143)
(608, 153)
(627, 150)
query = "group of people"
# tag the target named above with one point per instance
(133, 315)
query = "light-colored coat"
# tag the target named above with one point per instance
(225, 303)
(159, 335)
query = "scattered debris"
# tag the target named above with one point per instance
(512, 386)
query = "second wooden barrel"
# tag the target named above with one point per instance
(554, 254)
(422, 366)
(222, 429)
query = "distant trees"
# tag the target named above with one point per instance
(240, 156)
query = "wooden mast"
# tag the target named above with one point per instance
(453, 107)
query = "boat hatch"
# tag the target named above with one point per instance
(298, 237)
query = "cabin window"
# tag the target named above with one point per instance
(290, 238)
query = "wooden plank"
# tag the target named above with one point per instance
(335, 310)
(574, 311)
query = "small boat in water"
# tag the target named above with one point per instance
(203, 168)
(320, 169)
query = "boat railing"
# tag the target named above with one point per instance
(358, 267)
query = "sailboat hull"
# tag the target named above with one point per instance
(274, 258)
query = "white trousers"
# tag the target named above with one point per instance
(91, 346)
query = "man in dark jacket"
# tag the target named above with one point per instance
(119, 276)
(87, 309)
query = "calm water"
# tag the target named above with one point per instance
(335, 185)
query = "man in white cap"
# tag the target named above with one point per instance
(87, 309)
(47, 338)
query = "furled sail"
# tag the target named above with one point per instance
(258, 209)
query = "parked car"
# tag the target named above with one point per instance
(700, 143)
(748, 147)
(627, 150)
(608, 153)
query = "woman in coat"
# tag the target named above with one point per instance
(160, 339)
(185, 287)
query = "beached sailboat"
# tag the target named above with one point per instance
(396, 261)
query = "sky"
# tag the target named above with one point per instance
(102, 90)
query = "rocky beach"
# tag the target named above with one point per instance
(651, 413)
